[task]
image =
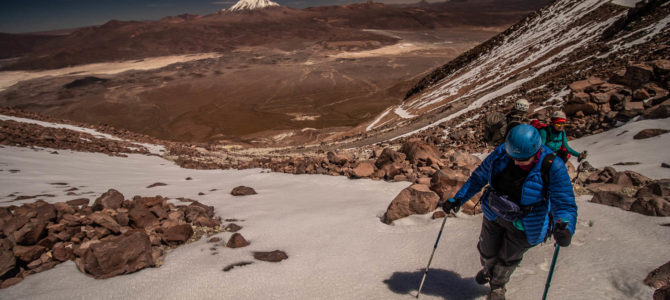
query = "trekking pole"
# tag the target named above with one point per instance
(551, 272)
(431, 257)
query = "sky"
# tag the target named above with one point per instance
(44, 15)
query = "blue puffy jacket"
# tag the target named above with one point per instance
(561, 198)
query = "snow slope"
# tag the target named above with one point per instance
(252, 4)
(330, 228)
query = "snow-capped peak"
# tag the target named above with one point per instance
(252, 4)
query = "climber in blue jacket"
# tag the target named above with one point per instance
(528, 197)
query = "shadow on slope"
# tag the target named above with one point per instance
(442, 283)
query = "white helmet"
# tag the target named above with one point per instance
(558, 114)
(522, 105)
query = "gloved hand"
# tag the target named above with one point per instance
(582, 155)
(562, 234)
(451, 205)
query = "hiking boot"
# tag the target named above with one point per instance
(497, 293)
(483, 276)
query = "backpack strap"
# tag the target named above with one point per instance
(544, 170)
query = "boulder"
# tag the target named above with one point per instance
(31, 233)
(338, 158)
(111, 199)
(652, 206)
(389, 156)
(177, 234)
(118, 255)
(659, 294)
(141, 217)
(571, 109)
(659, 277)
(237, 241)
(636, 75)
(613, 199)
(62, 253)
(243, 191)
(363, 169)
(418, 151)
(660, 111)
(392, 170)
(579, 98)
(655, 188)
(7, 261)
(28, 253)
(586, 85)
(206, 222)
(105, 221)
(649, 133)
(630, 179)
(232, 227)
(447, 182)
(416, 199)
(272, 256)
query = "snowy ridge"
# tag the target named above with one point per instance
(252, 4)
(544, 43)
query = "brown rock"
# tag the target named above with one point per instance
(416, 199)
(364, 169)
(571, 109)
(659, 277)
(197, 209)
(655, 188)
(662, 293)
(62, 253)
(11, 281)
(105, 221)
(660, 111)
(272, 256)
(613, 199)
(111, 199)
(118, 255)
(447, 182)
(28, 253)
(652, 206)
(586, 85)
(7, 261)
(438, 215)
(338, 158)
(206, 222)
(237, 241)
(78, 202)
(389, 156)
(14, 224)
(31, 233)
(579, 98)
(648, 133)
(178, 234)
(242, 191)
(418, 151)
(122, 218)
(155, 184)
(600, 98)
(232, 227)
(141, 217)
(63, 208)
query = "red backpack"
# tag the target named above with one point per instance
(537, 124)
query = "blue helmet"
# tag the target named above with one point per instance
(523, 141)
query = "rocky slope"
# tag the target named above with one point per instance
(541, 59)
